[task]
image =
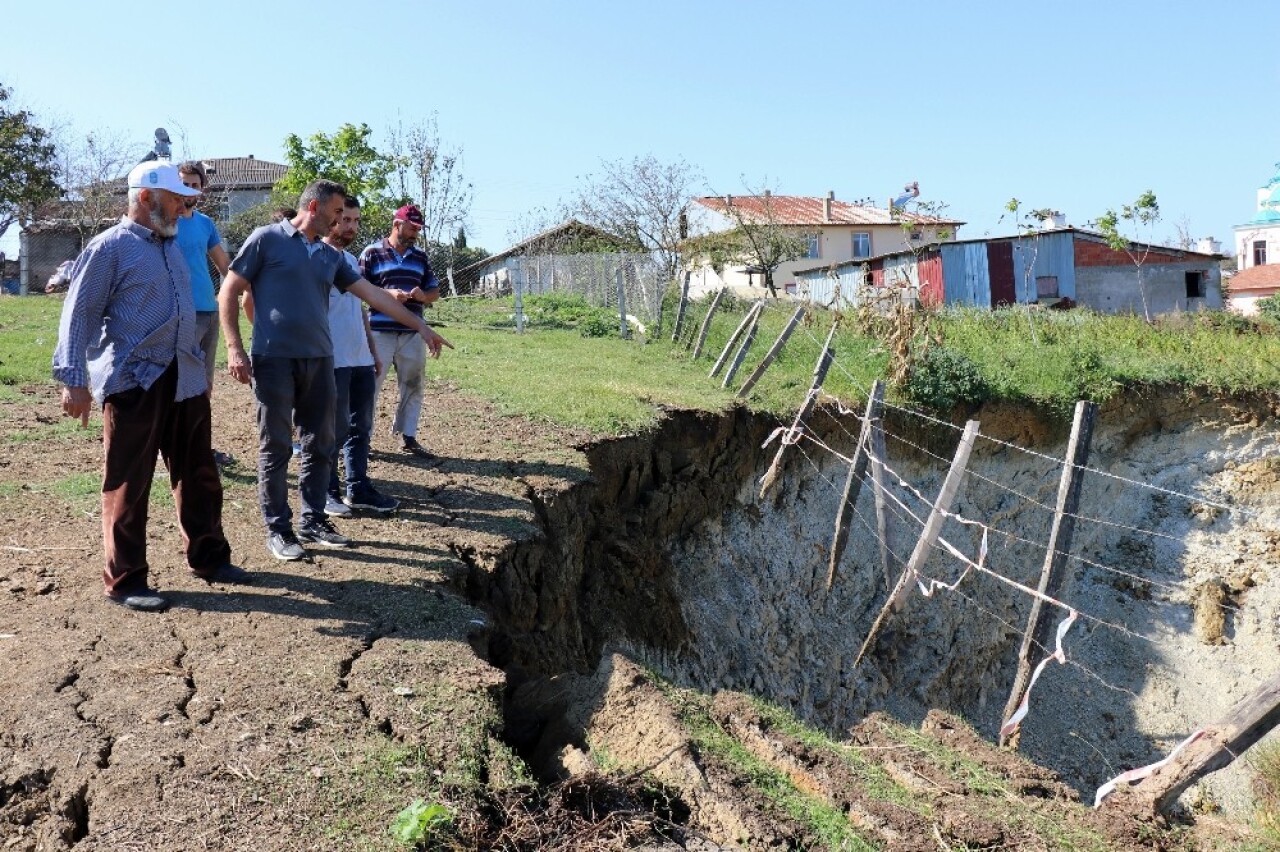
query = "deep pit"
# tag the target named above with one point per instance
(669, 557)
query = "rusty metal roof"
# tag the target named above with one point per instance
(805, 210)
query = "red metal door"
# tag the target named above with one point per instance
(1000, 270)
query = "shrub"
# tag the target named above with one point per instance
(942, 378)
(598, 326)
(1091, 376)
(1270, 307)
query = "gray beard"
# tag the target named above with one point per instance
(158, 224)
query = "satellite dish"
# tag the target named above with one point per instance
(162, 148)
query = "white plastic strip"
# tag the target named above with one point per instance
(1058, 654)
(1142, 772)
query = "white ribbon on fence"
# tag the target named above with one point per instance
(1143, 771)
(1058, 654)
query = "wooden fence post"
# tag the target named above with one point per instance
(773, 352)
(878, 455)
(811, 399)
(1215, 746)
(706, 322)
(517, 287)
(624, 330)
(1052, 573)
(742, 350)
(929, 537)
(747, 320)
(681, 308)
(853, 482)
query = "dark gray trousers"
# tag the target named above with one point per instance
(293, 392)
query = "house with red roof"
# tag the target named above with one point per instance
(831, 231)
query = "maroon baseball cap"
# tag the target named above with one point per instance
(411, 214)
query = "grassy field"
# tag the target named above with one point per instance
(555, 373)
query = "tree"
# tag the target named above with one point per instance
(756, 238)
(28, 165)
(90, 164)
(1141, 215)
(641, 200)
(346, 157)
(429, 174)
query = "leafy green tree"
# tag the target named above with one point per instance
(28, 165)
(346, 157)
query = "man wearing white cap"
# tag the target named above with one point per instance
(127, 340)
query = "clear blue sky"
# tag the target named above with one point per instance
(1078, 106)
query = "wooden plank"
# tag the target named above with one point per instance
(853, 482)
(1039, 625)
(742, 350)
(1219, 744)
(773, 352)
(747, 321)
(681, 308)
(929, 536)
(877, 454)
(706, 322)
(825, 357)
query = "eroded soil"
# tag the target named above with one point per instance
(305, 711)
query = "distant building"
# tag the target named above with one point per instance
(1258, 251)
(833, 231)
(60, 231)
(492, 276)
(1062, 267)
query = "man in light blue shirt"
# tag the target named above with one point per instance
(127, 340)
(201, 245)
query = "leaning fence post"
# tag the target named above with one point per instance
(929, 537)
(1055, 558)
(853, 482)
(706, 322)
(742, 350)
(773, 351)
(681, 307)
(811, 399)
(747, 320)
(876, 451)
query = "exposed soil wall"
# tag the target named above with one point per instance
(669, 552)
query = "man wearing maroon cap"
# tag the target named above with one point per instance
(397, 265)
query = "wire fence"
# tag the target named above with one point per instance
(627, 286)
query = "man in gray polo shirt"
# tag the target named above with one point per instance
(289, 270)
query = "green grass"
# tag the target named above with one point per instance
(553, 373)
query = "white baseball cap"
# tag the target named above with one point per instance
(157, 175)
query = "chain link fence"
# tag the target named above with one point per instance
(629, 285)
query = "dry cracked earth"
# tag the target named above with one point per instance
(274, 716)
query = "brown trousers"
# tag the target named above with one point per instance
(135, 425)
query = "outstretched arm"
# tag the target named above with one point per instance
(381, 300)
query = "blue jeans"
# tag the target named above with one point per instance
(293, 391)
(353, 424)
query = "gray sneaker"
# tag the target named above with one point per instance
(335, 508)
(285, 547)
(321, 532)
(371, 500)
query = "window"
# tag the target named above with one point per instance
(917, 236)
(1195, 285)
(862, 244)
(1259, 252)
(1046, 286)
(814, 250)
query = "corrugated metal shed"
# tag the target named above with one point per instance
(965, 274)
(1043, 256)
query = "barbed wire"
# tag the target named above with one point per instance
(1057, 461)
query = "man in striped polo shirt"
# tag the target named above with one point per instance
(127, 339)
(397, 265)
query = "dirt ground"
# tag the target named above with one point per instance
(262, 717)
(302, 712)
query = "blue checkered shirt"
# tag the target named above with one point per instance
(128, 316)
